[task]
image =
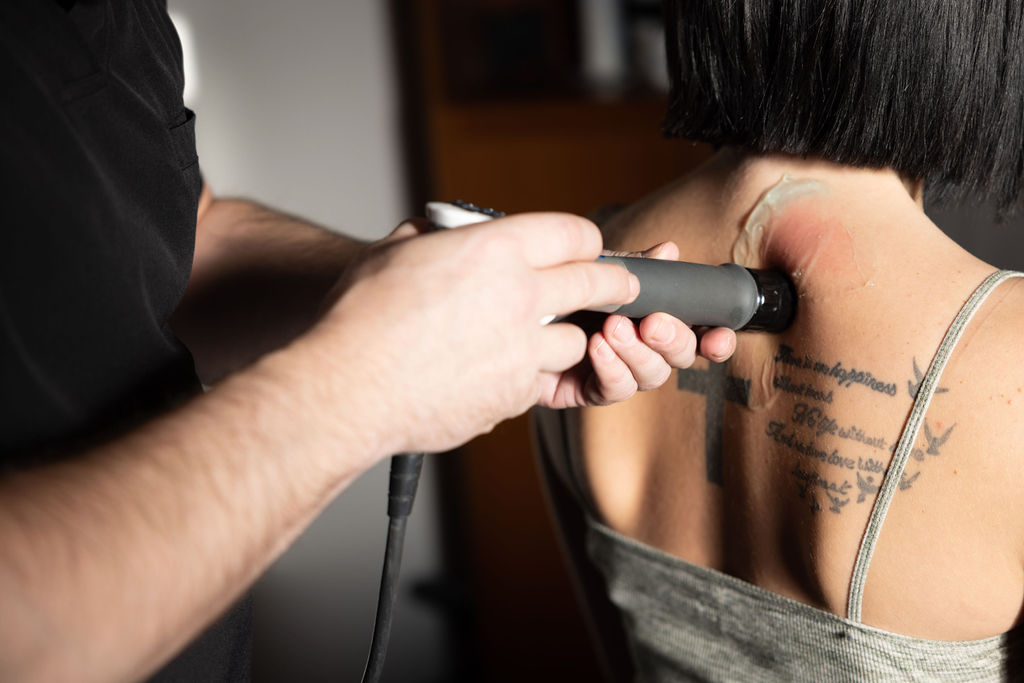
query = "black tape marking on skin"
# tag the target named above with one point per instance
(718, 386)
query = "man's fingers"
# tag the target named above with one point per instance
(574, 287)
(549, 239)
(649, 369)
(563, 347)
(718, 344)
(612, 380)
(673, 340)
(667, 251)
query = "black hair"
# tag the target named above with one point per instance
(931, 88)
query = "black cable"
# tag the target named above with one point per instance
(404, 477)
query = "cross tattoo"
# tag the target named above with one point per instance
(718, 386)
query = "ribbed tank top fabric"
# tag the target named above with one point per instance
(691, 623)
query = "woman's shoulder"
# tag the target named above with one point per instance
(988, 368)
(992, 359)
(982, 395)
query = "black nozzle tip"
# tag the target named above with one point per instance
(776, 302)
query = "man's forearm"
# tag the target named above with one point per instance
(259, 278)
(113, 561)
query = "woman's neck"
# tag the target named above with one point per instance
(812, 217)
(745, 169)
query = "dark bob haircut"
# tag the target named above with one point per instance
(931, 88)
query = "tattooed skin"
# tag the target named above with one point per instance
(718, 386)
(810, 484)
(844, 376)
(857, 458)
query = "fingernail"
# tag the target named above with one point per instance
(658, 250)
(662, 332)
(724, 356)
(622, 331)
(602, 350)
(634, 286)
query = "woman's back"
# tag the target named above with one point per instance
(766, 468)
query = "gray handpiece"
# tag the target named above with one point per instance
(719, 296)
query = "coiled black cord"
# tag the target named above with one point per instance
(405, 476)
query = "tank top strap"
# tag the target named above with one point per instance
(894, 474)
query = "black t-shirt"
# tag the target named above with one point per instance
(100, 188)
(99, 182)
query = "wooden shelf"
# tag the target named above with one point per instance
(571, 155)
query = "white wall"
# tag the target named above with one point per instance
(296, 105)
(296, 108)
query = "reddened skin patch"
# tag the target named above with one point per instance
(795, 226)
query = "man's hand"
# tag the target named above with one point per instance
(447, 328)
(625, 357)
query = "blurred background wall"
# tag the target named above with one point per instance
(352, 113)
